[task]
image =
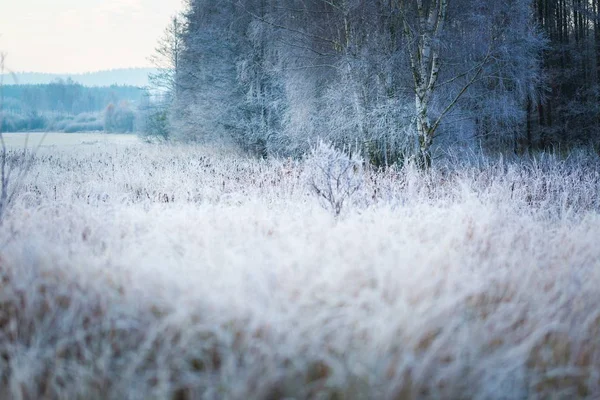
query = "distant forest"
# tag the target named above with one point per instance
(68, 106)
(122, 76)
(397, 79)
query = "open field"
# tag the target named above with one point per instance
(57, 139)
(170, 272)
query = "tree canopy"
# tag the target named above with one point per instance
(395, 78)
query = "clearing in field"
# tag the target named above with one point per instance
(48, 139)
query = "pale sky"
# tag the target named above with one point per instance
(74, 36)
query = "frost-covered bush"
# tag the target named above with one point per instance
(119, 118)
(334, 175)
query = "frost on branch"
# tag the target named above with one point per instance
(334, 175)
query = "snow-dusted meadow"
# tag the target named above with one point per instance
(145, 271)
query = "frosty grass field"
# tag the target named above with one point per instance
(151, 271)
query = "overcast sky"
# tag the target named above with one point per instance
(74, 36)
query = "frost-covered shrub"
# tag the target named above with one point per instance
(334, 175)
(154, 122)
(15, 122)
(119, 118)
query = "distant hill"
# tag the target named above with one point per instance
(124, 76)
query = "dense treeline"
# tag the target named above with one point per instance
(68, 106)
(569, 112)
(393, 78)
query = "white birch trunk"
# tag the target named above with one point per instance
(424, 58)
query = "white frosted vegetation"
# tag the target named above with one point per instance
(181, 272)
